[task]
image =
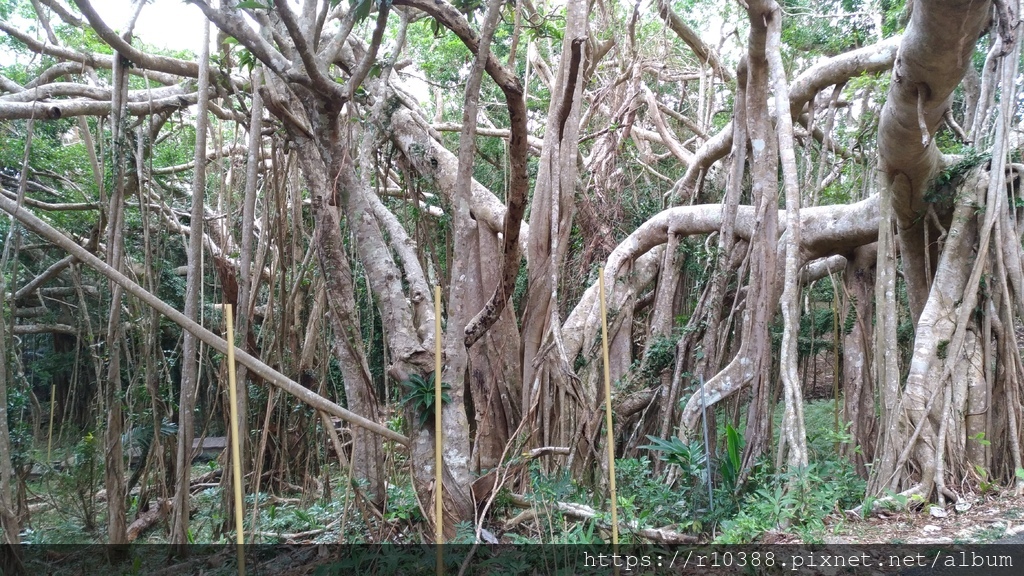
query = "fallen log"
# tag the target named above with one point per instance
(149, 518)
(584, 512)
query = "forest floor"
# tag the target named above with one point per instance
(992, 518)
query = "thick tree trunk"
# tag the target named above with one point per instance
(347, 342)
(858, 380)
(793, 416)
(494, 359)
(922, 450)
(934, 55)
(457, 479)
(763, 288)
(923, 408)
(367, 451)
(545, 363)
(493, 371)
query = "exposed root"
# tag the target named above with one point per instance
(914, 495)
(584, 512)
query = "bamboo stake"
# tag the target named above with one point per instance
(49, 435)
(236, 461)
(438, 463)
(608, 411)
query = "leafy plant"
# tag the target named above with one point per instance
(661, 354)
(141, 437)
(689, 456)
(139, 440)
(401, 504)
(984, 483)
(420, 395)
(465, 533)
(79, 480)
(980, 439)
(731, 463)
(645, 498)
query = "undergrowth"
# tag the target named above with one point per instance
(675, 484)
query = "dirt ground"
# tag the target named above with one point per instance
(996, 517)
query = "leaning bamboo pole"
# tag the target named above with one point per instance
(303, 394)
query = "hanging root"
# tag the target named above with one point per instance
(1008, 24)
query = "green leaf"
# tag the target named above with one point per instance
(361, 8)
(731, 464)
(420, 396)
(252, 5)
(689, 457)
(246, 60)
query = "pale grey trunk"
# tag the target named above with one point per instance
(347, 342)
(113, 478)
(247, 280)
(555, 416)
(793, 416)
(762, 296)
(190, 347)
(9, 519)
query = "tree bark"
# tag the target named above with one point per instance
(113, 478)
(858, 379)
(191, 358)
(347, 342)
(793, 415)
(545, 363)
(934, 54)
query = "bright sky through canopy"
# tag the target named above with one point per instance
(171, 24)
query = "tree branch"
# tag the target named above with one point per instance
(305, 395)
(58, 89)
(667, 138)
(870, 59)
(22, 329)
(703, 52)
(361, 71)
(67, 108)
(138, 57)
(81, 59)
(510, 86)
(321, 82)
(233, 24)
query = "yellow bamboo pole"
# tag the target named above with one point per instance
(438, 462)
(49, 435)
(236, 460)
(608, 411)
